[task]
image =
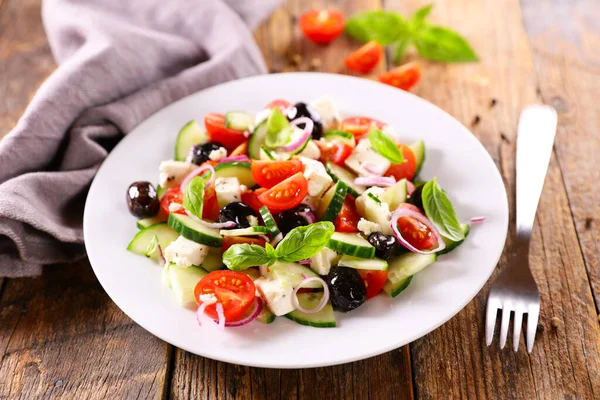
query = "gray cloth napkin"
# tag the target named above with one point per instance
(120, 61)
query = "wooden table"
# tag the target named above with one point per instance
(61, 336)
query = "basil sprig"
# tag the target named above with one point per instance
(300, 243)
(439, 210)
(433, 42)
(278, 129)
(193, 197)
(383, 145)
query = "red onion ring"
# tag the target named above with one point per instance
(324, 299)
(234, 158)
(410, 187)
(407, 212)
(308, 216)
(477, 219)
(196, 172)
(246, 134)
(221, 314)
(258, 306)
(200, 316)
(308, 127)
(263, 237)
(383, 181)
(304, 262)
(214, 225)
(161, 256)
(277, 239)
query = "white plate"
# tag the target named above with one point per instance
(454, 155)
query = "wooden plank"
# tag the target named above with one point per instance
(453, 359)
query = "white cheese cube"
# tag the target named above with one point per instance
(368, 227)
(218, 154)
(330, 116)
(364, 155)
(311, 151)
(373, 211)
(311, 201)
(322, 261)
(174, 207)
(228, 190)
(316, 175)
(252, 220)
(277, 295)
(185, 253)
(173, 172)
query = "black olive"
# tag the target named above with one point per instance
(237, 212)
(142, 199)
(201, 152)
(385, 245)
(416, 198)
(306, 110)
(346, 287)
(292, 218)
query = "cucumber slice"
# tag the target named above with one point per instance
(140, 242)
(183, 281)
(395, 195)
(323, 319)
(266, 154)
(257, 140)
(450, 245)
(373, 264)
(332, 202)
(340, 174)
(238, 120)
(190, 135)
(351, 244)
(290, 274)
(402, 268)
(213, 260)
(340, 137)
(160, 191)
(269, 221)
(195, 231)
(418, 150)
(239, 169)
(146, 222)
(252, 231)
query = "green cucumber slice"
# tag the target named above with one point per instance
(290, 274)
(257, 140)
(338, 173)
(418, 150)
(238, 120)
(372, 264)
(323, 319)
(160, 191)
(351, 244)
(450, 245)
(252, 231)
(239, 169)
(266, 154)
(269, 221)
(191, 134)
(340, 137)
(213, 260)
(183, 281)
(195, 231)
(142, 240)
(395, 195)
(332, 202)
(402, 268)
(146, 222)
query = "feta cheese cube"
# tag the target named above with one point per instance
(322, 261)
(311, 201)
(316, 175)
(330, 116)
(185, 253)
(173, 172)
(174, 207)
(252, 220)
(276, 294)
(311, 151)
(374, 211)
(208, 298)
(368, 227)
(228, 190)
(364, 155)
(218, 154)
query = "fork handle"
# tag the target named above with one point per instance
(535, 137)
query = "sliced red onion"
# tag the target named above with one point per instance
(190, 155)
(407, 212)
(277, 239)
(308, 216)
(200, 316)
(324, 299)
(304, 276)
(477, 219)
(246, 134)
(382, 181)
(308, 127)
(410, 187)
(304, 262)
(221, 315)
(258, 306)
(214, 225)
(234, 158)
(372, 169)
(161, 256)
(196, 172)
(263, 237)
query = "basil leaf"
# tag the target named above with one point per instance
(271, 253)
(418, 18)
(442, 44)
(383, 145)
(384, 27)
(152, 246)
(242, 256)
(439, 210)
(304, 241)
(278, 129)
(193, 198)
(400, 49)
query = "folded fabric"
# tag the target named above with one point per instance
(119, 62)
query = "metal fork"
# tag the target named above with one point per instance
(515, 290)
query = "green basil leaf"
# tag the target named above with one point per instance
(383, 145)
(304, 241)
(243, 256)
(442, 44)
(439, 210)
(400, 49)
(152, 246)
(193, 197)
(271, 253)
(278, 129)
(384, 27)
(418, 18)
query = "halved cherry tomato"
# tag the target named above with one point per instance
(269, 173)
(322, 26)
(374, 281)
(347, 219)
(210, 208)
(251, 198)
(406, 169)
(415, 232)
(283, 105)
(403, 77)
(234, 290)
(172, 195)
(241, 150)
(215, 127)
(359, 126)
(365, 59)
(335, 152)
(229, 241)
(287, 194)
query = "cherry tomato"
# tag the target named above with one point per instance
(374, 281)
(172, 195)
(403, 77)
(415, 232)
(229, 241)
(337, 153)
(215, 127)
(347, 219)
(251, 198)
(365, 59)
(234, 290)
(287, 194)
(241, 150)
(322, 26)
(359, 126)
(210, 208)
(269, 173)
(406, 169)
(283, 105)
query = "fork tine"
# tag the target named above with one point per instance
(490, 314)
(533, 315)
(504, 325)
(518, 321)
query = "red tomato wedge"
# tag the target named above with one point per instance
(210, 208)
(347, 219)
(415, 232)
(251, 198)
(215, 127)
(283, 105)
(337, 153)
(406, 169)
(269, 173)
(374, 281)
(365, 59)
(287, 194)
(322, 26)
(404, 77)
(172, 195)
(359, 126)
(229, 241)
(234, 290)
